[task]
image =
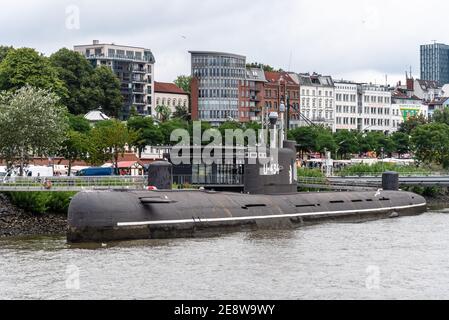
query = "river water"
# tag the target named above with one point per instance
(405, 258)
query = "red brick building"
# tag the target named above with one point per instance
(251, 95)
(278, 87)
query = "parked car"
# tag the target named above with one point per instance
(96, 172)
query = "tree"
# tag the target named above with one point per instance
(252, 125)
(229, 125)
(385, 145)
(182, 113)
(183, 82)
(402, 143)
(163, 113)
(204, 127)
(78, 123)
(368, 142)
(76, 72)
(149, 134)
(75, 147)
(411, 124)
(441, 116)
(166, 128)
(431, 143)
(265, 67)
(109, 140)
(32, 122)
(133, 112)
(305, 137)
(3, 52)
(347, 143)
(76, 143)
(106, 91)
(324, 140)
(26, 66)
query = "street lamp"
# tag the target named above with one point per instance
(273, 119)
(283, 133)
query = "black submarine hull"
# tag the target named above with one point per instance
(101, 216)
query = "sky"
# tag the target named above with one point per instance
(358, 40)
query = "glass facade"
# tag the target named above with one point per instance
(219, 75)
(435, 63)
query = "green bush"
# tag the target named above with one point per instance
(311, 175)
(379, 168)
(42, 202)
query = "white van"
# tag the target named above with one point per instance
(39, 171)
(2, 172)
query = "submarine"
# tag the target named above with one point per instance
(268, 202)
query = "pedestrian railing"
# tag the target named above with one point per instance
(72, 183)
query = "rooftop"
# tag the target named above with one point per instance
(97, 43)
(164, 87)
(428, 84)
(272, 76)
(96, 115)
(216, 53)
(255, 74)
(315, 79)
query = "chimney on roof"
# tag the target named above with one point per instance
(410, 84)
(96, 41)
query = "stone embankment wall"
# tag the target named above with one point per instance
(14, 222)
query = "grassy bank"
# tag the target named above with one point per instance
(41, 202)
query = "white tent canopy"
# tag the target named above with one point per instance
(96, 115)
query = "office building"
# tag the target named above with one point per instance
(435, 63)
(215, 86)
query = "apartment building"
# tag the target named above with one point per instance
(348, 106)
(251, 95)
(426, 90)
(134, 66)
(377, 109)
(317, 100)
(280, 87)
(406, 105)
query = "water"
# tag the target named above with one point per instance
(404, 258)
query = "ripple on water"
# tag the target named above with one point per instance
(390, 259)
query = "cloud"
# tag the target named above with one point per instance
(347, 37)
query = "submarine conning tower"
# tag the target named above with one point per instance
(273, 178)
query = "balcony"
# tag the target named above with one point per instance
(147, 59)
(251, 88)
(254, 109)
(139, 80)
(254, 99)
(138, 90)
(139, 70)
